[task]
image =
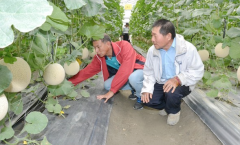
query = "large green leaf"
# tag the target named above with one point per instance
(180, 3)
(92, 7)
(191, 31)
(74, 4)
(96, 32)
(188, 2)
(6, 77)
(40, 45)
(15, 102)
(84, 93)
(54, 108)
(238, 10)
(200, 12)
(217, 23)
(207, 75)
(6, 133)
(223, 83)
(234, 48)
(64, 88)
(35, 122)
(24, 15)
(58, 20)
(212, 93)
(218, 1)
(233, 32)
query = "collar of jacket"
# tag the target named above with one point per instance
(181, 46)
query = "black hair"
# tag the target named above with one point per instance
(105, 38)
(166, 27)
(127, 24)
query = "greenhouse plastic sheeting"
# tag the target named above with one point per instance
(223, 119)
(85, 122)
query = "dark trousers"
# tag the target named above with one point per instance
(126, 37)
(169, 101)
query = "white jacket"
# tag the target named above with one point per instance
(188, 64)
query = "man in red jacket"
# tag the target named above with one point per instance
(121, 66)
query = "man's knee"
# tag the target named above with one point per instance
(107, 85)
(173, 99)
(135, 77)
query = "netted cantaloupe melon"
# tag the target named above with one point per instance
(221, 52)
(21, 73)
(3, 106)
(54, 74)
(93, 53)
(72, 68)
(85, 53)
(238, 73)
(204, 54)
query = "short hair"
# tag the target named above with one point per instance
(127, 24)
(105, 38)
(166, 27)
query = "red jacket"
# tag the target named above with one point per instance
(127, 58)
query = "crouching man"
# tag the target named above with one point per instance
(172, 68)
(121, 66)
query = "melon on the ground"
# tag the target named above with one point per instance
(221, 52)
(72, 68)
(3, 106)
(21, 73)
(93, 53)
(85, 53)
(54, 74)
(204, 54)
(238, 73)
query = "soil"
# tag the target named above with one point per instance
(146, 127)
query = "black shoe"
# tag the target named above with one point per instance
(132, 96)
(138, 105)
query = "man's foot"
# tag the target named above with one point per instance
(173, 118)
(162, 112)
(133, 96)
(138, 105)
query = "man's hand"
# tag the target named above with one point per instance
(106, 96)
(172, 83)
(145, 97)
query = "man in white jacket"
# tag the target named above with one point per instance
(172, 69)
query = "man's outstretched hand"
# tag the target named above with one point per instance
(107, 96)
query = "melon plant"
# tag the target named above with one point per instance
(221, 52)
(85, 53)
(54, 74)
(72, 68)
(204, 54)
(21, 73)
(238, 73)
(3, 106)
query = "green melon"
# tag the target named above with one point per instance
(221, 52)
(21, 73)
(85, 53)
(204, 54)
(54, 74)
(3, 106)
(72, 68)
